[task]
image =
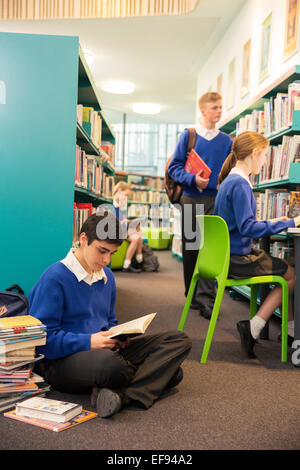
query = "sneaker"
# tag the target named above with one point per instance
(176, 379)
(107, 402)
(131, 269)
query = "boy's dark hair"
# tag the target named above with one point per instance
(105, 227)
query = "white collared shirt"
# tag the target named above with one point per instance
(207, 134)
(72, 263)
(238, 171)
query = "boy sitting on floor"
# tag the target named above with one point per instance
(75, 299)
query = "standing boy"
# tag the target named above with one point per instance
(75, 299)
(198, 194)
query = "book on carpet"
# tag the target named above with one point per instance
(195, 163)
(132, 328)
(49, 409)
(52, 425)
(9, 400)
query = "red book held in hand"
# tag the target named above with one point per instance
(194, 164)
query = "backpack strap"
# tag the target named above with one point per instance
(192, 139)
(15, 287)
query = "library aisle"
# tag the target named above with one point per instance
(229, 403)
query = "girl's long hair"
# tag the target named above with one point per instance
(242, 147)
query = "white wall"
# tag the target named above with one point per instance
(246, 25)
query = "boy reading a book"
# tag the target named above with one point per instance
(198, 193)
(75, 299)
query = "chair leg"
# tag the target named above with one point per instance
(253, 301)
(284, 321)
(187, 304)
(212, 323)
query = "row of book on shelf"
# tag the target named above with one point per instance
(149, 197)
(91, 121)
(81, 211)
(91, 175)
(277, 113)
(275, 203)
(22, 391)
(147, 182)
(279, 159)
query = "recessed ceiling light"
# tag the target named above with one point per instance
(89, 56)
(146, 108)
(119, 87)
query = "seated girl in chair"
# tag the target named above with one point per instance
(134, 235)
(236, 204)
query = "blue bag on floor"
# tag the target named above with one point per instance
(13, 304)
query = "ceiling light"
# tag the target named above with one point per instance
(119, 87)
(89, 56)
(146, 108)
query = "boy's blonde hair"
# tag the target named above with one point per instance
(209, 97)
(121, 186)
(242, 147)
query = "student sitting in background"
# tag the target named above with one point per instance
(134, 236)
(75, 299)
(236, 204)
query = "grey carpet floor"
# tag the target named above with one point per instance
(229, 403)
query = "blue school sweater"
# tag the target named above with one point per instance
(71, 310)
(213, 152)
(236, 204)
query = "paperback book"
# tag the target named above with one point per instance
(46, 408)
(52, 425)
(132, 328)
(196, 164)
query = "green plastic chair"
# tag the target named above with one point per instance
(118, 258)
(213, 263)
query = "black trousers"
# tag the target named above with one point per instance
(205, 291)
(141, 370)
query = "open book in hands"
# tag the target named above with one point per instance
(131, 328)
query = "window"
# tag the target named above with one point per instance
(142, 146)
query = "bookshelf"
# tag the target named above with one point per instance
(257, 102)
(290, 181)
(148, 199)
(44, 78)
(95, 140)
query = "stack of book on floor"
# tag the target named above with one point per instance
(19, 337)
(54, 415)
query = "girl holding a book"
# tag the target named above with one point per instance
(236, 204)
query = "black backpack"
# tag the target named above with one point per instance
(13, 304)
(150, 260)
(172, 188)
